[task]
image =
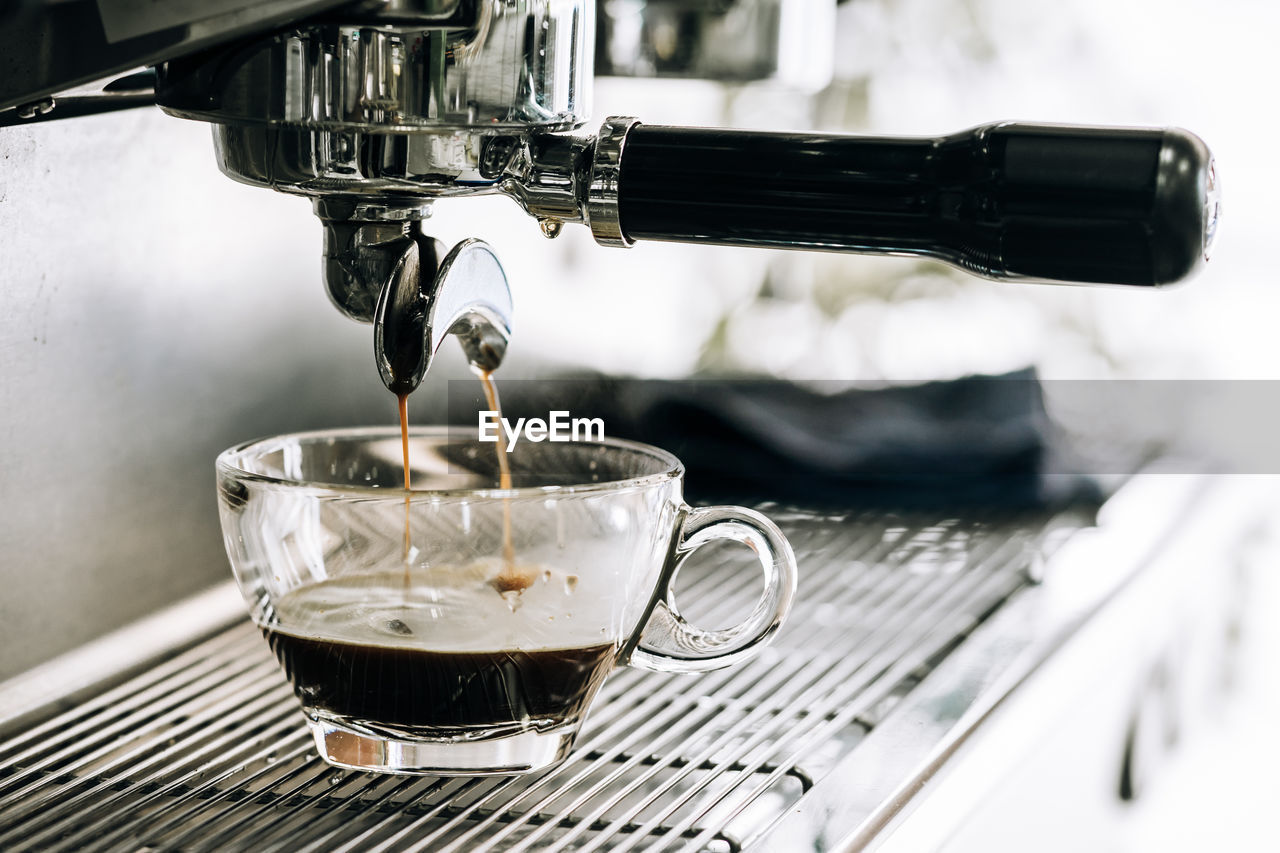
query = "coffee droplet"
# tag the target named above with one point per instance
(398, 627)
(570, 583)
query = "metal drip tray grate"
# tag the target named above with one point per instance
(206, 750)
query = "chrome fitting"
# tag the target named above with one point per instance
(602, 188)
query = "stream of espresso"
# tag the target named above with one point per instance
(404, 449)
(511, 578)
(510, 574)
(504, 466)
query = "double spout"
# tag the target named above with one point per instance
(432, 293)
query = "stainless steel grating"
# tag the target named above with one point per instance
(206, 750)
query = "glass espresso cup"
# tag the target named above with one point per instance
(459, 628)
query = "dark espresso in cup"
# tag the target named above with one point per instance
(364, 651)
(415, 688)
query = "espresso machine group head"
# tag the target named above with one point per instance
(375, 109)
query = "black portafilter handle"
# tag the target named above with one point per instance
(1006, 201)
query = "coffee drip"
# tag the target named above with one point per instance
(512, 578)
(431, 295)
(403, 401)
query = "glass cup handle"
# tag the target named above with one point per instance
(670, 644)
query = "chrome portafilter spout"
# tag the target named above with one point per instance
(431, 295)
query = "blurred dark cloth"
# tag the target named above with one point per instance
(976, 441)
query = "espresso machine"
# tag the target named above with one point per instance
(375, 110)
(923, 632)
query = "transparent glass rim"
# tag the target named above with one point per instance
(671, 468)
